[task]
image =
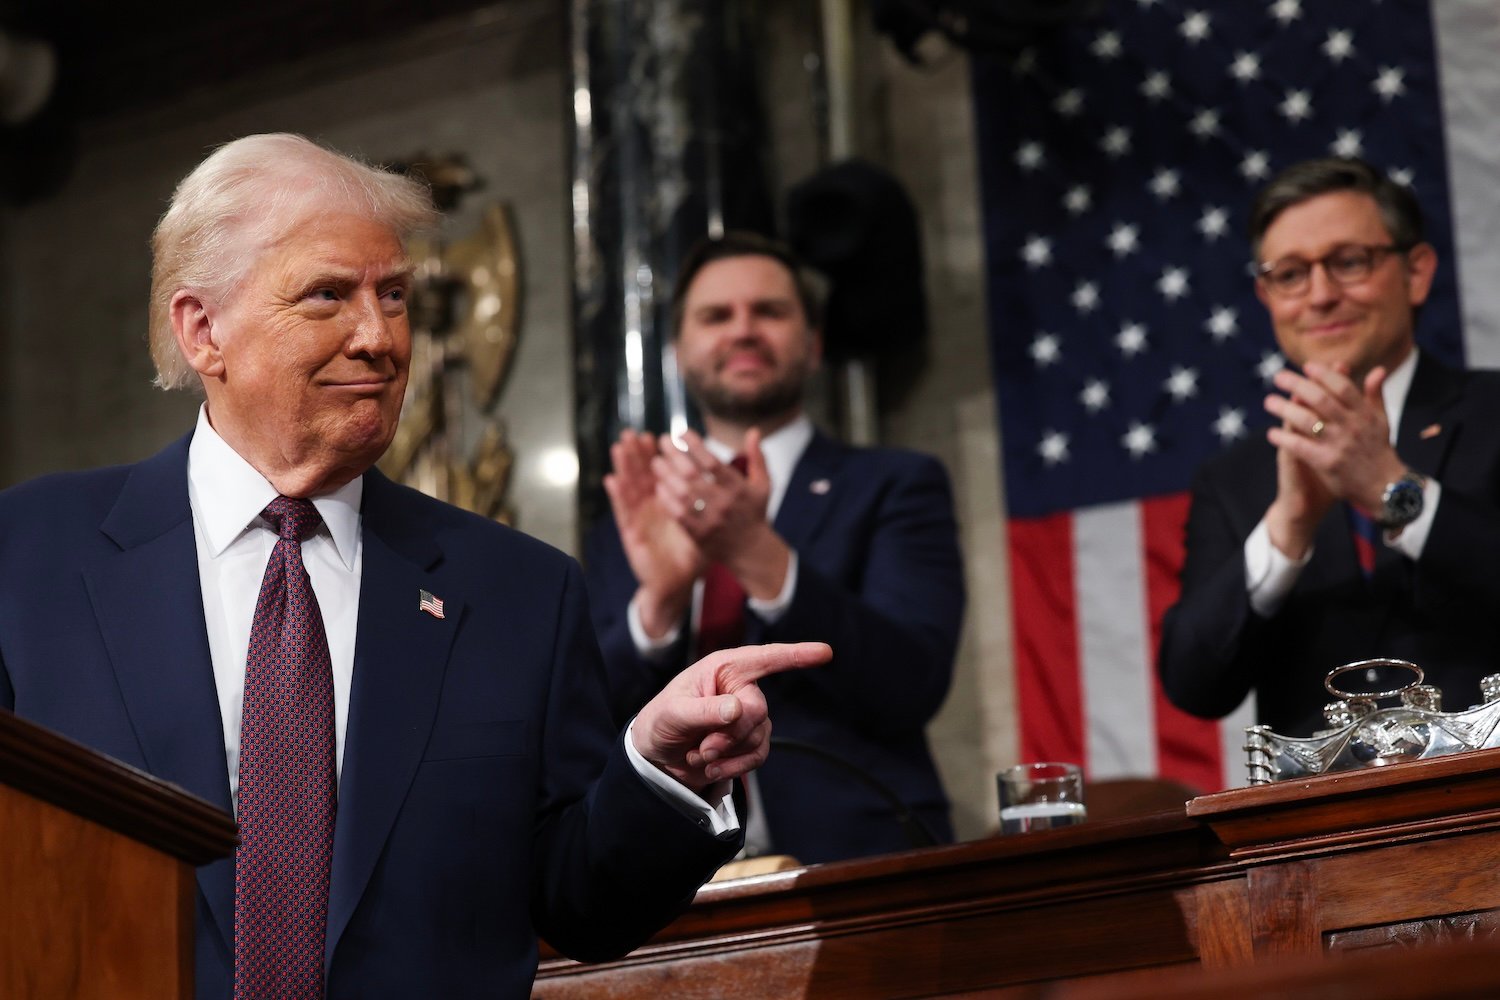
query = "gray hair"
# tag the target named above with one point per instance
(245, 197)
(1399, 210)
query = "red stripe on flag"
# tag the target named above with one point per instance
(1049, 691)
(1188, 748)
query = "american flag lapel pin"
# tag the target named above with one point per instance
(819, 487)
(432, 605)
(1430, 431)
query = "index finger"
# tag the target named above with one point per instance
(1334, 381)
(748, 664)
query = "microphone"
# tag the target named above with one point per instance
(918, 833)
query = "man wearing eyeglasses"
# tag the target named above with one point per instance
(1367, 522)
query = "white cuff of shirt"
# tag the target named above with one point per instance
(1269, 574)
(647, 647)
(1410, 540)
(714, 811)
(770, 611)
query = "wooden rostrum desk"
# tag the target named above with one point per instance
(1375, 859)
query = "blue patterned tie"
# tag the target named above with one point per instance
(1366, 537)
(286, 781)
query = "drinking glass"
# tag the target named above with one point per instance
(1040, 797)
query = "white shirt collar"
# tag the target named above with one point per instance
(228, 495)
(1394, 389)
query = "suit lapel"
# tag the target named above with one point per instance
(400, 654)
(812, 492)
(149, 605)
(1429, 420)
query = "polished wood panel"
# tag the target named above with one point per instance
(96, 873)
(1237, 882)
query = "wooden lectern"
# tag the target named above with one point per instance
(1238, 884)
(96, 872)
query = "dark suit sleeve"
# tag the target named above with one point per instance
(632, 679)
(614, 861)
(893, 620)
(1211, 638)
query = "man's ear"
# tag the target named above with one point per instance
(1421, 266)
(193, 327)
(817, 347)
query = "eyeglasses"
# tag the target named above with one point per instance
(1348, 264)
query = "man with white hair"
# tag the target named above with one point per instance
(402, 702)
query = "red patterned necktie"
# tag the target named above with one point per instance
(721, 615)
(286, 782)
(1365, 536)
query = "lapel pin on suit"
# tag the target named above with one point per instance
(432, 605)
(1430, 431)
(819, 487)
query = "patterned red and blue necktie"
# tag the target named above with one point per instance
(286, 779)
(721, 614)
(1366, 537)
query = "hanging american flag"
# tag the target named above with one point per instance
(1118, 159)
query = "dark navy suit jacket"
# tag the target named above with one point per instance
(1439, 612)
(485, 796)
(880, 579)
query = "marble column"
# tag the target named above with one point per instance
(667, 147)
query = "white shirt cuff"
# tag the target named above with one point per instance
(647, 647)
(770, 611)
(714, 811)
(1269, 574)
(1410, 540)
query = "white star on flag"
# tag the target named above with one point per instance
(1164, 183)
(1286, 11)
(1107, 45)
(1086, 297)
(1173, 283)
(1053, 447)
(1037, 252)
(1116, 142)
(1270, 364)
(1256, 166)
(1390, 83)
(1230, 425)
(1122, 239)
(1205, 123)
(1348, 143)
(1246, 67)
(1077, 200)
(1222, 323)
(1182, 383)
(1156, 87)
(1297, 107)
(1131, 340)
(1213, 223)
(1139, 440)
(1095, 395)
(1339, 46)
(1045, 349)
(1194, 27)
(1030, 156)
(1069, 103)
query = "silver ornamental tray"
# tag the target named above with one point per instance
(1362, 734)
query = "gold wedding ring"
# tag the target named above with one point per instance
(1316, 429)
(700, 505)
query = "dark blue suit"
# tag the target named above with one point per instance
(484, 798)
(880, 580)
(1439, 612)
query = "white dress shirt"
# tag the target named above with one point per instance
(1270, 575)
(234, 543)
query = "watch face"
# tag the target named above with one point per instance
(1402, 502)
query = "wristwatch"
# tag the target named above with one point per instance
(1401, 503)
